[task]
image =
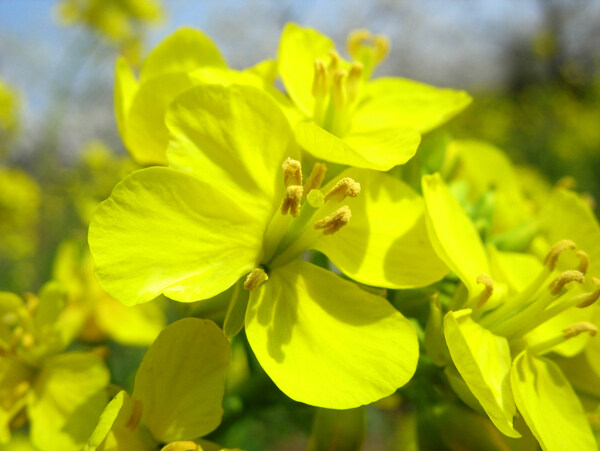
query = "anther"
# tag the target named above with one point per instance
(356, 40)
(315, 179)
(554, 252)
(584, 262)
(292, 201)
(354, 80)
(488, 288)
(255, 279)
(382, 47)
(346, 187)
(335, 221)
(340, 91)
(589, 298)
(578, 328)
(320, 86)
(334, 61)
(559, 282)
(136, 416)
(292, 172)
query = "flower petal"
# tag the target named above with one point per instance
(385, 244)
(67, 399)
(126, 86)
(326, 342)
(379, 149)
(185, 50)
(549, 405)
(452, 233)
(299, 47)
(483, 360)
(181, 380)
(236, 137)
(398, 102)
(163, 231)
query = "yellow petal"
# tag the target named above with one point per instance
(398, 102)
(181, 380)
(379, 149)
(326, 342)
(163, 231)
(236, 137)
(185, 50)
(385, 244)
(299, 47)
(452, 234)
(549, 405)
(126, 86)
(483, 360)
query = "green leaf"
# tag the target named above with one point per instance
(549, 405)
(326, 342)
(181, 380)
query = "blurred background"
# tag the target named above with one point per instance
(532, 67)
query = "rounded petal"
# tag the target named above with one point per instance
(163, 231)
(452, 233)
(385, 244)
(68, 397)
(398, 102)
(236, 137)
(549, 405)
(181, 380)
(380, 149)
(483, 360)
(185, 50)
(299, 47)
(326, 342)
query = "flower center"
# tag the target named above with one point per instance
(305, 215)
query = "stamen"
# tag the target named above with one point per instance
(589, 298)
(255, 279)
(584, 262)
(315, 179)
(334, 61)
(356, 40)
(382, 47)
(488, 288)
(559, 282)
(339, 91)
(578, 328)
(553, 254)
(292, 201)
(354, 80)
(335, 221)
(292, 172)
(320, 86)
(136, 416)
(346, 187)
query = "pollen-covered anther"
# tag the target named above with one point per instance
(584, 262)
(292, 201)
(292, 172)
(356, 40)
(346, 187)
(353, 82)
(559, 282)
(335, 221)
(578, 328)
(334, 62)
(555, 251)
(320, 86)
(136, 416)
(488, 288)
(382, 47)
(255, 279)
(315, 179)
(589, 298)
